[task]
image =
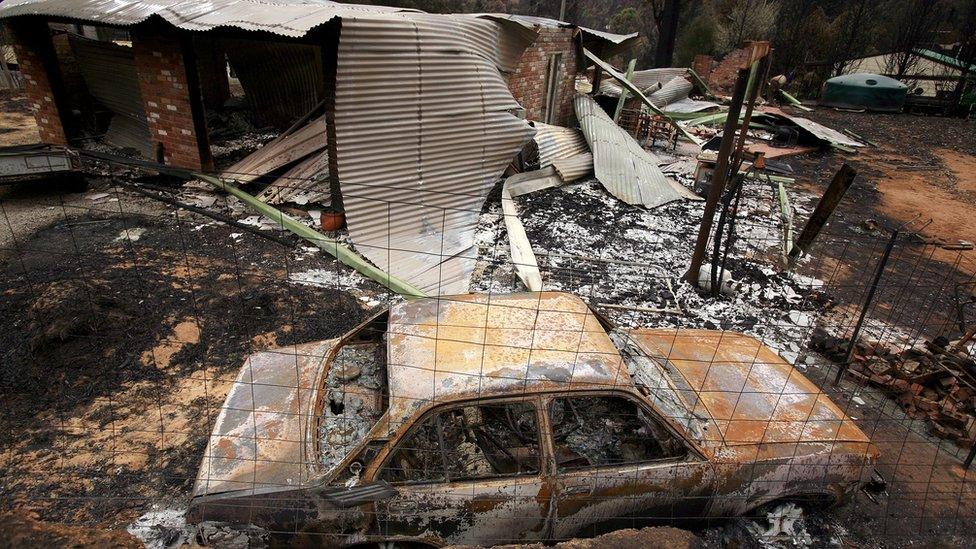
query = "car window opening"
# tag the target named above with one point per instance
(468, 443)
(354, 397)
(602, 431)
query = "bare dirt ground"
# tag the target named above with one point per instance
(17, 126)
(128, 332)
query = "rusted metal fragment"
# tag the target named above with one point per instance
(262, 438)
(753, 395)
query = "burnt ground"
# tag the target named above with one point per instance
(920, 178)
(117, 352)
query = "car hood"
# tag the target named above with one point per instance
(261, 438)
(751, 393)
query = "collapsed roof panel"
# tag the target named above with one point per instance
(574, 167)
(555, 142)
(284, 150)
(424, 129)
(648, 81)
(817, 130)
(673, 90)
(627, 170)
(307, 182)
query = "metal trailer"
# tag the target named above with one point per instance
(27, 163)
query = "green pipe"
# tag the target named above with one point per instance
(329, 245)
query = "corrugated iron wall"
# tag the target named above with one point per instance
(109, 71)
(424, 129)
(297, 84)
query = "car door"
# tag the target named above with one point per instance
(468, 474)
(617, 465)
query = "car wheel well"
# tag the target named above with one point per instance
(393, 544)
(808, 501)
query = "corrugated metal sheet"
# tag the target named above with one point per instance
(648, 80)
(674, 90)
(305, 183)
(688, 105)
(424, 129)
(286, 17)
(298, 84)
(556, 142)
(279, 153)
(109, 71)
(574, 167)
(819, 131)
(628, 171)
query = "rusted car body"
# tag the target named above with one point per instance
(485, 419)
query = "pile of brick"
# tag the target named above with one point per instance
(937, 382)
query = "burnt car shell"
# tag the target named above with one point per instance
(762, 431)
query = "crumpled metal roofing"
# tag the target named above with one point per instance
(647, 81)
(285, 17)
(307, 182)
(284, 150)
(424, 129)
(627, 170)
(555, 142)
(674, 90)
(688, 105)
(574, 167)
(817, 130)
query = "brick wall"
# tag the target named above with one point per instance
(528, 82)
(166, 91)
(702, 65)
(38, 65)
(724, 74)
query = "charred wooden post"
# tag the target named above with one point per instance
(825, 208)
(724, 162)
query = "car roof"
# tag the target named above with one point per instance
(449, 348)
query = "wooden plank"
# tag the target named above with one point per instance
(623, 92)
(825, 208)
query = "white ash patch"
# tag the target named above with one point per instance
(591, 244)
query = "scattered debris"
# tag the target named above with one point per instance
(784, 528)
(935, 381)
(162, 528)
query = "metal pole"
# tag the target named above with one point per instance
(867, 305)
(719, 176)
(562, 10)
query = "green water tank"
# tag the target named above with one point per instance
(865, 91)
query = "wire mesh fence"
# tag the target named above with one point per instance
(159, 363)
